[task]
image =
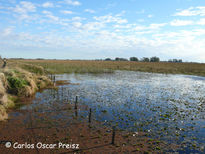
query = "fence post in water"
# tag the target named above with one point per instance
(54, 80)
(58, 94)
(76, 101)
(113, 135)
(62, 93)
(68, 96)
(90, 113)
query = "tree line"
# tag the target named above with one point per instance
(144, 59)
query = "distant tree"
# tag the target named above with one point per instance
(39, 58)
(120, 59)
(180, 60)
(123, 59)
(154, 59)
(134, 59)
(108, 59)
(175, 60)
(145, 59)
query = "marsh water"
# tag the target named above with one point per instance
(167, 107)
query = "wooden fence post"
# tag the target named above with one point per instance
(113, 135)
(76, 101)
(90, 114)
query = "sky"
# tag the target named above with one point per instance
(97, 29)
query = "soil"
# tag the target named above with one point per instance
(35, 127)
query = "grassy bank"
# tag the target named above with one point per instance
(77, 66)
(22, 78)
(19, 80)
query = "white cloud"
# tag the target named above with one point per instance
(150, 16)
(127, 26)
(111, 19)
(90, 26)
(24, 7)
(157, 26)
(201, 21)
(72, 2)
(49, 15)
(180, 44)
(121, 13)
(177, 22)
(77, 18)
(89, 10)
(77, 24)
(23, 10)
(47, 5)
(67, 12)
(192, 11)
(150, 27)
(7, 31)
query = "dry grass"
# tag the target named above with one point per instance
(77, 66)
(19, 80)
(25, 77)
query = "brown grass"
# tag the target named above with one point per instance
(21, 80)
(83, 66)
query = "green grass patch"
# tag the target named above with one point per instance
(16, 84)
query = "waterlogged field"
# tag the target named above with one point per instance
(166, 107)
(169, 107)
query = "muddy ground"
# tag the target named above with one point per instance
(70, 135)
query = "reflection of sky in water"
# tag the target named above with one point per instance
(174, 105)
(171, 107)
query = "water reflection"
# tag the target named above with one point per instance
(169, 107)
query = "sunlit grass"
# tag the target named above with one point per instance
(85, 66)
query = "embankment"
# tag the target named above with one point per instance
(18, 81)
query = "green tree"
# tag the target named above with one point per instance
(145, 59)
(154, 59)
(108, 59)
(134, 59)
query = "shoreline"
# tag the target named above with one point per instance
(18, 83)
(13, 97)
(91, 137)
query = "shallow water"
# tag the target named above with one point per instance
(169, 107)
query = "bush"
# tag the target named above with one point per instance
(134, 59)
(154, 59)
(16, 84)
(120, 59)
(108, 59)
(145, 59)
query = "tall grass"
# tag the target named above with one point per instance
(85, 66)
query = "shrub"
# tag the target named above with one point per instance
(145, 59)
(134, 59)
(154, 59)
(16, 84)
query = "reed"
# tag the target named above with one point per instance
(91, 66)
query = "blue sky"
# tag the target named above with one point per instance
(90, 29)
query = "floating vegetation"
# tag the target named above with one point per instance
(165, 107)
(169, 107)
